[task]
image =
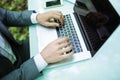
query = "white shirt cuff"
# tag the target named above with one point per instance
(33, 18)
(40, 62)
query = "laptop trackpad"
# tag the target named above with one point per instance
(45, 36)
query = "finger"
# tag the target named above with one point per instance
(61, 18)
(57, 13)
(51, 24)
(55, 16)
(67, 55)
(63, 45)
(58, 17)
(66, 50)
(62, 40)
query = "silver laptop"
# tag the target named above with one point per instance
(85, 39)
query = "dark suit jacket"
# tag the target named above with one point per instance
(9, 71)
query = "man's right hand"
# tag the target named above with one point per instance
(55, 51)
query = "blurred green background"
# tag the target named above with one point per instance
(16, 5)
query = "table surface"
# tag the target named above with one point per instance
(103, 66)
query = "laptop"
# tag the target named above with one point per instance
(85, 37)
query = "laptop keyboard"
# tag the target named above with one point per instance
(68, 30)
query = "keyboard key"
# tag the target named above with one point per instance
(68, 30)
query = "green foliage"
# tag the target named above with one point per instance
(16, 5)
(19, 33)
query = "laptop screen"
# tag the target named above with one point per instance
(99, 34)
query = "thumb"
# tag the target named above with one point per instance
(67, 55)
(51, 24)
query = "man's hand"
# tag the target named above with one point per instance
(44, 18)
(57, 50)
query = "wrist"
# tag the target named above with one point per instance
(40, 62)
(34, 18)
(38, 17)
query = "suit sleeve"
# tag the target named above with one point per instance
(27, 71)
(14, 18)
